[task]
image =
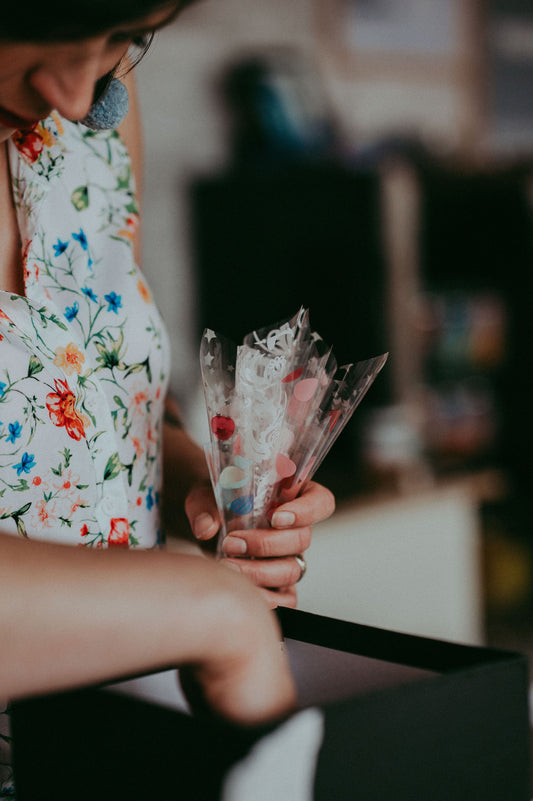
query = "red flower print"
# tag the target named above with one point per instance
(34, 271)
(136, 442)
(25, 251)
(84, 530)
(119, 534)
(29, 144)
(61, 408)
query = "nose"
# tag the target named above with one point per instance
(67, 83)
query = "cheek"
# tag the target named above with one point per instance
(16, 65)
(18, 59)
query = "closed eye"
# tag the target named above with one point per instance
(139, 41)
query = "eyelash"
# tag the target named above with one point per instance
(142, 40)
(139, 42)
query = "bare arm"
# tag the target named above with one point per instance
(70, 616)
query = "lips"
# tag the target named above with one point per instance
(9, 120)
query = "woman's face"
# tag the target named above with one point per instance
(39, 77)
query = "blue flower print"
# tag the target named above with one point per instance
(89, 292)
(114, 301)
(2, 389)
(81, 238)
(15, 430)
(26, 463)
(7, 789)
(60, 247)
(150, 500)
(72, 311)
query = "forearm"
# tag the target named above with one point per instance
(183, 459)
(70, 617)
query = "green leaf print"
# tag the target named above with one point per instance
(139, 367)
(134, 368)
(124, 178)
(80, 198)
(18, 513)
(113, 467)
(132, 208)
(21, 528)
(112, 357)
(35, 366)
(46, 318)
(128, 468)
(60, 324)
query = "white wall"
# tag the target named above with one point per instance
(410, 564)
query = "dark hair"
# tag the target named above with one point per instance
(63, 20)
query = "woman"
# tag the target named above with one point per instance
(83, 377)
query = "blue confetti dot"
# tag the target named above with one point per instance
(243, 505)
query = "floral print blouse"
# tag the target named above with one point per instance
(84, 356)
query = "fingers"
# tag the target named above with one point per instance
(278, 574)
(201, 510)
(315, 503)
(244, 677)
(268, 556)
(285, 596)
(267, 543)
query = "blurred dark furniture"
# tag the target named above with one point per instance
(477, 235)
(269, 239)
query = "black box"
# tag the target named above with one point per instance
(405, 718)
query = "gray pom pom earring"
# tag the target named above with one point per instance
(109, 109)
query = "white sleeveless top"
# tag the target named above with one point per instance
(84, 356)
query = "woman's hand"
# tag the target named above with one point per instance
(190, 613)
(245, 676)
(267, 556)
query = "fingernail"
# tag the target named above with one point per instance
(234, 546)
(203, 525)
(283, 519)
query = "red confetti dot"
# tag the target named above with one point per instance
(294, 376)
(222, 427)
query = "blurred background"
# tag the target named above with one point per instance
(370, 160)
